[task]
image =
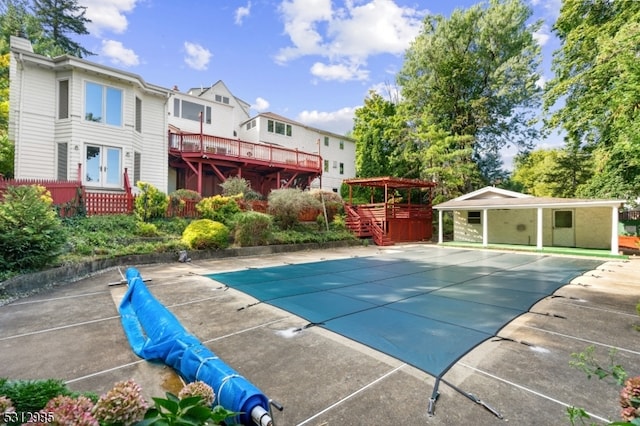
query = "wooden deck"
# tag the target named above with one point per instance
(388, 224)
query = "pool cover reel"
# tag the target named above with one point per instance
(155, 334)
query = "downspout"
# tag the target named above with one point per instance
(614, 231)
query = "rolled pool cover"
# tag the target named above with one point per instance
(155, 334)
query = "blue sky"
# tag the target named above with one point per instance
(313, 61)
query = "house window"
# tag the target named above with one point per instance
(137, 162)
(103, 166)
(341, 144)
(222, 99)
(63, 99)
(62, 164)
(326, 165)
(279, 128)
(191, 111)
(474, 217)
(138, 115)
(103, 104)
(251, 124)
(326, 141)
(341, 168)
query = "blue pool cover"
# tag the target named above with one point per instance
(427, 306)
(155, 334)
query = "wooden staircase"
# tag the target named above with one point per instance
(368, 223)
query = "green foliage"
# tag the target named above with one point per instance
(594, 94)
(252, 229)
(150, 203)
(239, 186)
(59, 18)
(551, 172)
(188, 411)
(6, 156)
(145, 229)
(309, 233)
(32, 395)
(117, 235)
(185, 194)
(31, 234)
(219, 208)
(472, 76)
(286, 205)
(587, 363)
(205, 234)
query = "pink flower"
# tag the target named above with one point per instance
(198, 388)
(630, 399)
(123, 404)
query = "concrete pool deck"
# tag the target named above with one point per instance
(73, 332)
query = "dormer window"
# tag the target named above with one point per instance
(222, 99)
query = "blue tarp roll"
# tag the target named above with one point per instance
(155, 334)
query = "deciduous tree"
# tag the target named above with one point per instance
(595, 94)
(473, 76)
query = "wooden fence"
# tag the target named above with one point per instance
(71, 198)
(629, 215)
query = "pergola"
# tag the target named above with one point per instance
(390, 222)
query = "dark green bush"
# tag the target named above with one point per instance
(31, 233)
(286, 205)
(252, 229)
(218, 208)
(150, 203)
(32, 395)
(206, 234)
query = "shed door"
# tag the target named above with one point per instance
(564, 228)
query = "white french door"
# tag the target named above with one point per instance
(103, 166)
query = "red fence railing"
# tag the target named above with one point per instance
(61, 191)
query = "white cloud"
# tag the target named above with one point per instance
(242, 12)
(346, 36)
(541, 82)
(551, 7)
(542, 36)
(119, 54)
(339, 72)
(260, 105)
(108, 15)
(197, 56)
(339, 122)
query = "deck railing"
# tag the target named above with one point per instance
(215, 146)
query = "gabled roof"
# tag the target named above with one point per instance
(496, 198)
(491, 192)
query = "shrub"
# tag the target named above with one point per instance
(286, 204)
(66, 410)
(185, 194)
(31, 233)
(200, 389)
(31, 395)
(151, 203)
(145, 229)
(122, 405)
(252, 229)
(239, 186)
(205, 234)
(218, 208)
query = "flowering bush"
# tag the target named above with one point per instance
(630, 399)
(6, 405)
(122, 405)
(69, 411)
(200, 389)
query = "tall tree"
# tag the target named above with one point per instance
(59, 18)
(474, 75)
(559, 172)
(595, 93)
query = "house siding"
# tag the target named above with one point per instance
(33, 116)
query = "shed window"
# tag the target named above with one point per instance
(474, 217)
(563, 219)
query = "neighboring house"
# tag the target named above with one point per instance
(338, 152)
(70, 117)
(497, 216)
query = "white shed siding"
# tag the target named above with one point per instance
(512, 226)
(592, 230)
(463, 231)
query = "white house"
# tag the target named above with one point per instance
(69, 115)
